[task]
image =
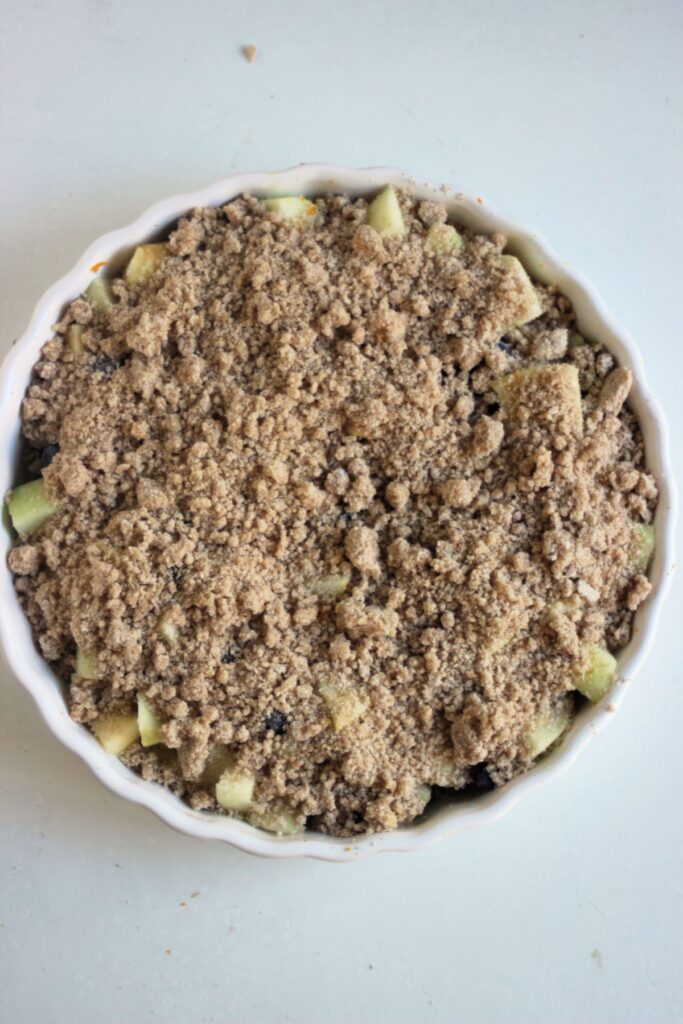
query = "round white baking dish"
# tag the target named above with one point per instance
(594, 321)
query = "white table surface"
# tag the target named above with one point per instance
(566, 115)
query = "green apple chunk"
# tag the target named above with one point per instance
(149, 723)
(344, 705)
(600, 674)
(235, 790)
(167, 630)
(116, 732)
(529, 305)
(86, 664)
(276, 819)
(547, 730)
(218, 761)
(144, 262)
(30, 506)
(644, 545)
(99, 294)
(545, 395)
(496, 643)
(293, 208)
(563, 608)
(74, 339)
(384, 214)
(443, 238)
(330, 587)
(423, 792)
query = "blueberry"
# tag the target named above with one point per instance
(505, 346)
(276, 722)
(106, 366)
(481, 779)
(231, 656)
(48, 453)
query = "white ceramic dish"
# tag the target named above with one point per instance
(35, 674)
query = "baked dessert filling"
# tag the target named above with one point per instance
(329, 508)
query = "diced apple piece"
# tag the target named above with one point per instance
(149, 723)
(443, 238)
(566, 608)
(600, 674)
(167, 630)
(644, 544)
(329, 587)
(384, 214)
(344, 704)
(99, 294)
(218, 761)
(74, 339)
(276, 819)
(495, 644)
(423, 792)
(86, 664)
(529, 307)
(547, 730)
(545, 395)
(235, 790)
(30, 506)
(116, 732)
(144, 262)
(293, 208)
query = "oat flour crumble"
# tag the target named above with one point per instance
(332, 508)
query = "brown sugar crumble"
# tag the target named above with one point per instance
(347, 530)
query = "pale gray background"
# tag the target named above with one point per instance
(564, 114)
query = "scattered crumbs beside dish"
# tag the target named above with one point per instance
(597, 956)
(250, 52)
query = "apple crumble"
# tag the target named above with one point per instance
(329, 508)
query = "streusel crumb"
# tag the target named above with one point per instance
(329, 513)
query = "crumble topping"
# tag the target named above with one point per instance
(381, 526)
